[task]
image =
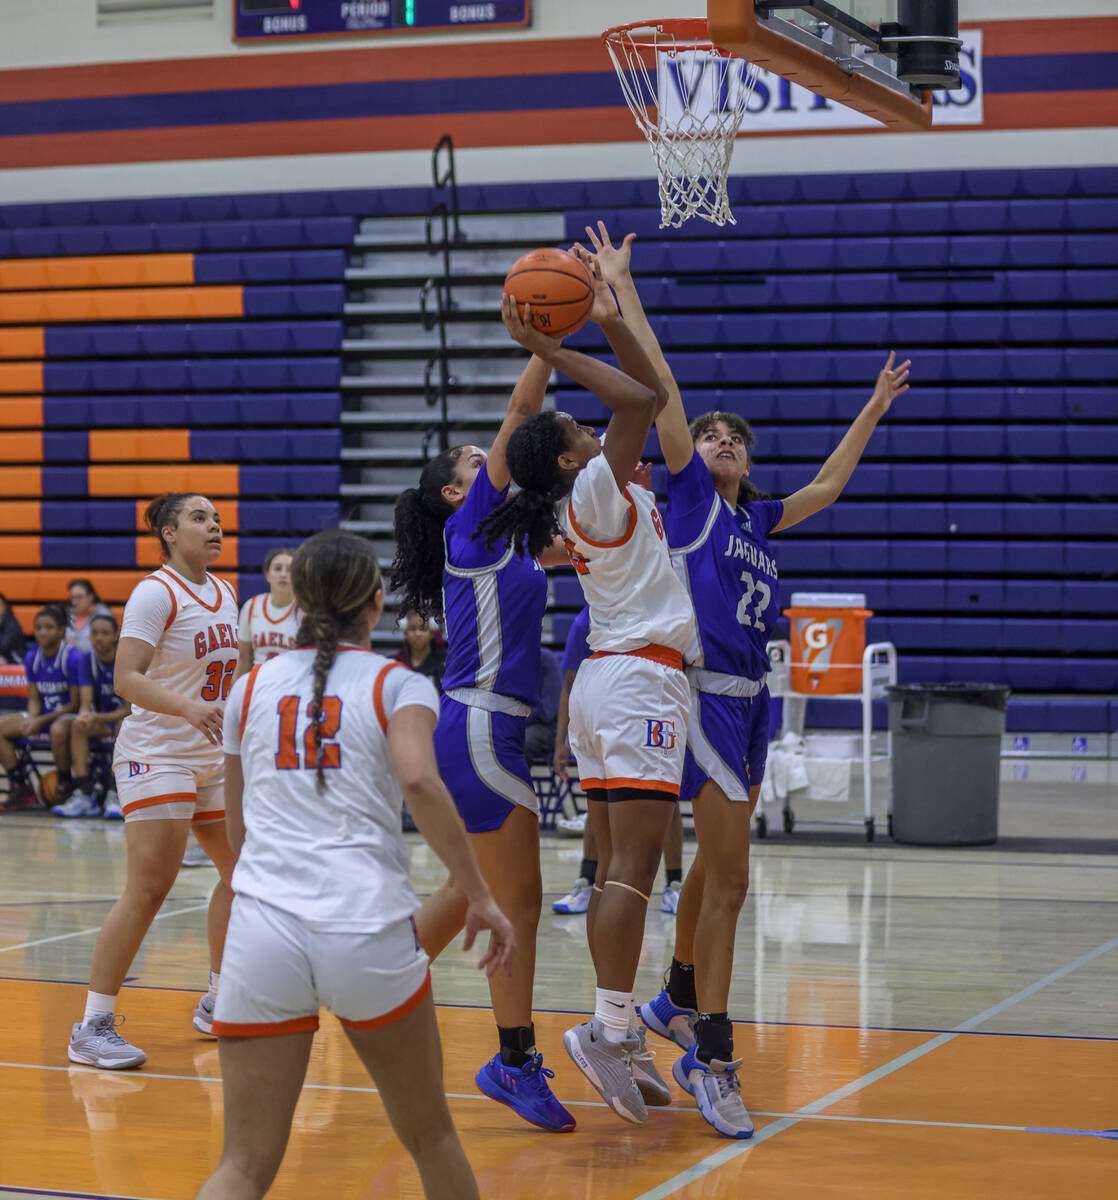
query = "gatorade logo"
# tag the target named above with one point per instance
(818, 640)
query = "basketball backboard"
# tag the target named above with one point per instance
(848, 50)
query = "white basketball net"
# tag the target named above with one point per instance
(688, 99)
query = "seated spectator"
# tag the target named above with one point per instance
(99, 715)
(13, 645)
(424, 649)
(53, 672)
(539, 736)
(84, 604)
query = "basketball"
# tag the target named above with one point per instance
(558, 287)
(48, 787)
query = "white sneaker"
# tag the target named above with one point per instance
(80, 804)
(577, 900)
(717, 1091)
(669, 901)
(204, 1015)
(570, 826)
(96, 1043)
(111, 810)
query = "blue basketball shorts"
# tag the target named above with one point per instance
(727, 742)
(481, 759)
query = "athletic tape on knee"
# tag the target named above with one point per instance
(628, 886)
(595, 888)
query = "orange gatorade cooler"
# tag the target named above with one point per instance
(828, 639)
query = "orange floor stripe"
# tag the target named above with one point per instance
(139, 445)
(21, 377)
(21, 412)
(20, 481)
(108, 270)
(41, 587)
(21, 447)
(17, 550)
(212, 481)
(123, 304)
(21, 515)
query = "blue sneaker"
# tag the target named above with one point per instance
(670, 1021)
(716, 1088)
(526, 1091)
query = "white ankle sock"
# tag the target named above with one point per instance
(97, 1004)
(214, 977)
(615, 1011)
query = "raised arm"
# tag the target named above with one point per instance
(526, 400)
(835, 473)
(671, 421)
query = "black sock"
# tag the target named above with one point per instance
(716, 1037)
(589, 869)
(17, 776)
(65, 776)
(518, 1044)
(681, 984)
(673, 874)
(81, 783)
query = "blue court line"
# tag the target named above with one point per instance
(26, 1191)
(713, 1161)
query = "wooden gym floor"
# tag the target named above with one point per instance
(913, 1022)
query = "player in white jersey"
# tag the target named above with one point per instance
(628, 707)
(269, 620)
(174, 664)
(320, 743)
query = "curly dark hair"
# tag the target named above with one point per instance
(747, 492)
(527, 520)
(334, 574)
(418, 520)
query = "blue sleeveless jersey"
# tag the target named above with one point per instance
(577, 648)
(722, 556)
(99, 676)
(54, 676)
(493, 604)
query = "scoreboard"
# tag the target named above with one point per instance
(264, 20)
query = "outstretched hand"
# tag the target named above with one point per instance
(613, 260)
(642, 476)
(523, 331)
(891, 382)
(605, 304)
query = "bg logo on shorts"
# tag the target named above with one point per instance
(661, 734)
(135, 769)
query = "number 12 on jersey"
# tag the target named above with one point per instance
(287, 755)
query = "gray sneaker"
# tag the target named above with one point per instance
(111, 809)
(204, 1015)
(97, 1044)
(652, 1086)
(195, 856)
(716, 1087)
(608, 1067)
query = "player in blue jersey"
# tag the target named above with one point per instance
(492, 601)
(52, 671)
(99, 715)
(718, 531)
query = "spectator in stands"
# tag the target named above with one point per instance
(53, 684)
(99, 715)
(84, 605)
(424, 649)
(13, 645)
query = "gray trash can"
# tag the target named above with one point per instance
(947, 742)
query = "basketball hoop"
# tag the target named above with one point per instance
(688, 97)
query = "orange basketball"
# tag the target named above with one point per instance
(48, 787)
(558, 287)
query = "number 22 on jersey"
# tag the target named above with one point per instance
(760, 589)
(287, 755)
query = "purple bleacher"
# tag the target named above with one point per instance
(299, 300)
(204, 338)
(252, 445)
(60, 516)
(290, 481)
(89, 553)
(163, 410)
(283, 515)
(271, 266)
(161, 375)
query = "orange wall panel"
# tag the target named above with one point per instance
(21, 447)
(22, 343)
(139, 445)
(19, 551)
(227, 510)
(39, 587)
(21, 412)
(21, 377)
(21, 515)
(109, 270)
(122, 304)
(211, 481)
(148, 553)
(20, 481)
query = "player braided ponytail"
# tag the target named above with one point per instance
(418, 520)
(334, 575)
(527, 520)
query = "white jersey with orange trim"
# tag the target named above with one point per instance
(336, 858)
(269, 631)
(616, 544)
(193, 628)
